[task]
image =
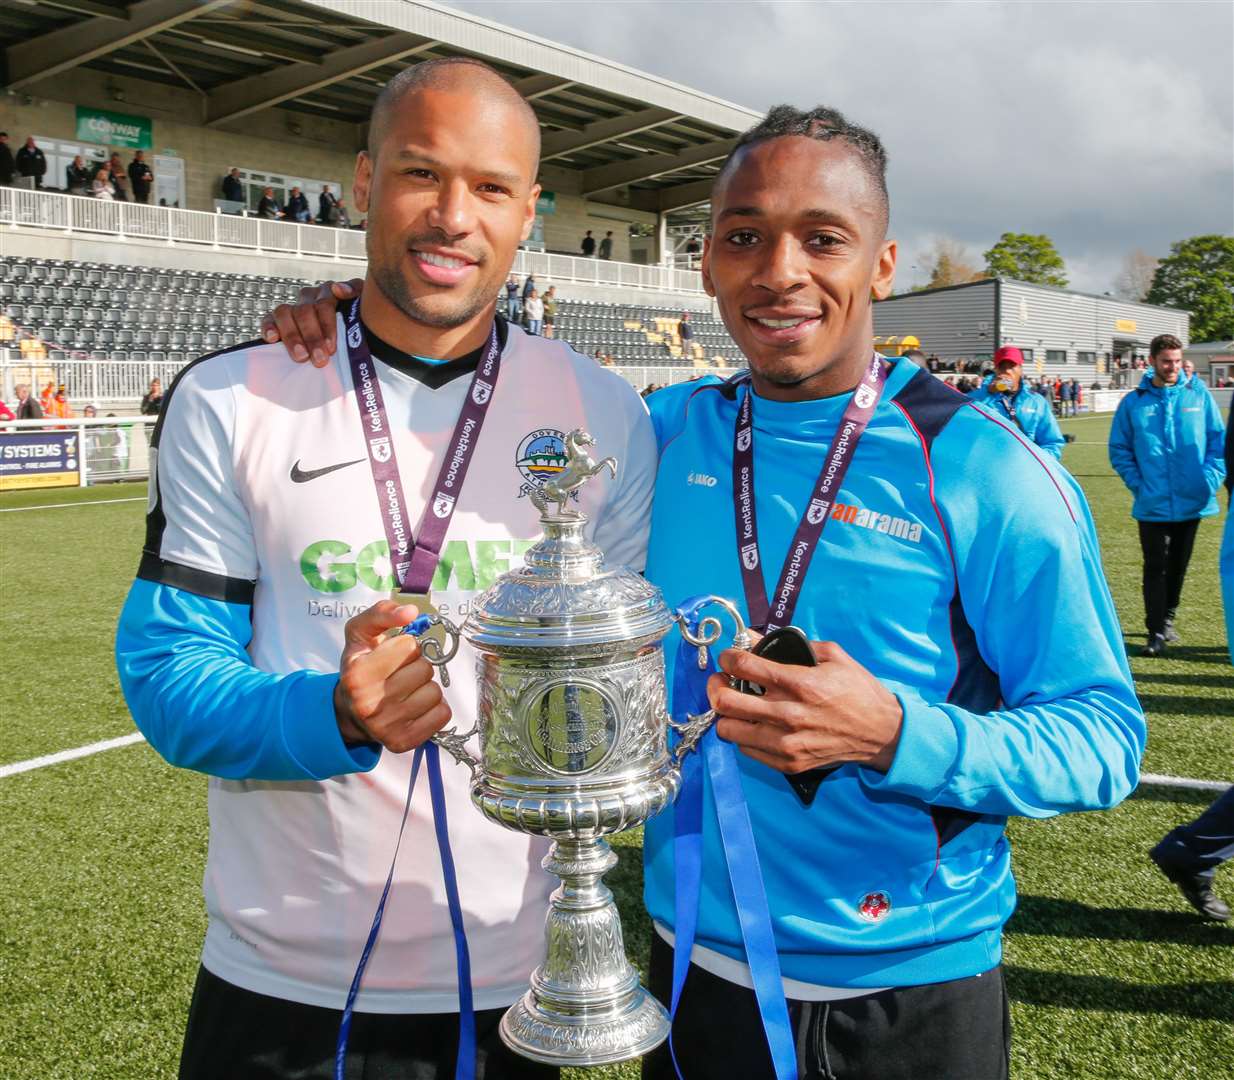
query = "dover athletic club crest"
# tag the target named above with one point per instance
(541, 455)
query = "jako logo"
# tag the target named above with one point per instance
(354, 334)
(898, 527)
(702, 479)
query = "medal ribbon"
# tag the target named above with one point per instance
(740, 856)
(765, 615)
(413, 560)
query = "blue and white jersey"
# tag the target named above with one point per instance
(960, 566)
(264, 537)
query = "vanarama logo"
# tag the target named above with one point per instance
(898, 527)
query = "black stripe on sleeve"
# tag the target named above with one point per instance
(199, 582)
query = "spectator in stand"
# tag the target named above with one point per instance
(1166, 444)
(7, 166)
(1007, 395)
(77, 177)
(31, 162)
(5, 412)
(588, 246)
(141, 177)
(512, 298)
(341, 218)
(327, 206)
(45, 398)
(233, 187)
(686, 333)
(534, 308)
(297, 206)
(119, 178)
(550, 310)
(101, 186)
(28, 407)
(268, 207)
(60, 408)
(153, 401)
(606, 246)
(529, 286)
(692, 252)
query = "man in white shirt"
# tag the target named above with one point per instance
(285, 504)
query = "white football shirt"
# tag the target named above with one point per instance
(262, 476)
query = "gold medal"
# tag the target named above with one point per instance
(423, 601)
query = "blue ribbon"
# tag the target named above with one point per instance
(740, 855)
(465, 1063)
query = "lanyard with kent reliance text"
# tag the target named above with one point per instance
(413, 563)
(779, 612)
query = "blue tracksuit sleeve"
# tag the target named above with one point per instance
(1049, 435)
(197, 698)
(1214, 450)
(1122, 445)
(1069, 732)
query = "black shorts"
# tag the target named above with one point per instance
(958, 1030)
(236, 1034)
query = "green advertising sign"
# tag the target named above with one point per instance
(546, 203)
(115, 129)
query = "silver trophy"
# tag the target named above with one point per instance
(573, 726)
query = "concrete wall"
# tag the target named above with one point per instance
(574, 215)
(324, 149)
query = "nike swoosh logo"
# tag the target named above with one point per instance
(303, 476)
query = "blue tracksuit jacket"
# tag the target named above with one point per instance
(1032, 413)
(1166, 444)
(960, 566)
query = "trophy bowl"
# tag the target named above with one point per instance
(573, 726)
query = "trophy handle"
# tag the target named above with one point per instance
(709, 629)
(439, 655)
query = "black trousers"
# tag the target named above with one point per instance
(959, 1030)
(1167, 551)
(1200, 846)
(235, 1034)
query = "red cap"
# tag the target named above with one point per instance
(1008, 352)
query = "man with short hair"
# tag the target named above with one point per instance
(1166, 444)
(253, 646)
(28, 407)
(512, 298)
(1007, 394)
(233, 187)
(141, 176)
(927, 719)
(30, 162)
(588, 246)
(297, 206)
(606, 246)
(119, 178)
(268, 207)
(327, 206)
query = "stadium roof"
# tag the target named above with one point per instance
(637, 140)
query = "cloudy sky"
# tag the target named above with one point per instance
(1107, 126)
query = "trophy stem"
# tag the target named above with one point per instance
(585, 1005)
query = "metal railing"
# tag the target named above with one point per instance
(78, 215)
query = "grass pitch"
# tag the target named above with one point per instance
(101, 917)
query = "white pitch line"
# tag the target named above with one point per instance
(1184, 782)
(58, 506)
(70, 755)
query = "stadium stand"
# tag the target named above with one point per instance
(55, 311)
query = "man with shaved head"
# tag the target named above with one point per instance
(299, 521)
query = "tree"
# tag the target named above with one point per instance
(949, 264)
(1198, 276)
(1026, 257)
(1136, 277)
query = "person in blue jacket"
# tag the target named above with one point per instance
(968, 660)
(1166, 444)
(1010, 396)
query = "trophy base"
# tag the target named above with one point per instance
(631, 1029)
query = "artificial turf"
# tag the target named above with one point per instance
(1110, 974)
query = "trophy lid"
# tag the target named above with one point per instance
(564, 596)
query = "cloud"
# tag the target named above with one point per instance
(1108, 127)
